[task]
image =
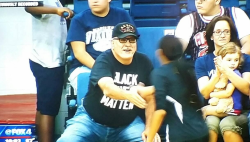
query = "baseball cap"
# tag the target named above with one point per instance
(124, 29)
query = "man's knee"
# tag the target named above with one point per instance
(132, 132)
(77, 133)
(75, 138)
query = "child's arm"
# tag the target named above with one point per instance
(241, 83)
(155, 124)
(224, 93)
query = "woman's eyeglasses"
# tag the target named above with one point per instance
(218, 33)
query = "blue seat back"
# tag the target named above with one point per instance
(126, 1)
(225, 3)
(191, 6)
(82, 86)
(248, 8)
(154, 13)
(248, 4)
(81, 5)
(230, 3)
(148, 41)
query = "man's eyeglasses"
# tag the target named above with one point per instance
(124, 40)
(218, 33)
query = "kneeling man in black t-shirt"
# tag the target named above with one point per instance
(116, 94)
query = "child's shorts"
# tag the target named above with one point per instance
(49, 84)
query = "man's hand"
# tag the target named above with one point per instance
(61, 10)
(135, 98)
(146, 92)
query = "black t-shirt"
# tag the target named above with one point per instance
(111, 112)
(170, 89)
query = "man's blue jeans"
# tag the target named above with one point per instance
(81, 128)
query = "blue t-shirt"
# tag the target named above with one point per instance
(94, 31)
(204, 66)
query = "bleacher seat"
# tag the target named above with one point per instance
(155, 13)
(248, 7)
(230, 3)
(82, 87)
(191, 6)
(126, 1)
(148, 41)
(225, 3)
(248, 4)
(81, 5)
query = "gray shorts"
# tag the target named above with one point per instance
(228, 123)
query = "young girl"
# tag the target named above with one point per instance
(225, 99)
(174, 84)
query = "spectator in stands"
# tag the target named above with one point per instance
(205, 67)
(111, 108)
(191, 28)
(90, 34)
(181, 121)
(49, 33)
